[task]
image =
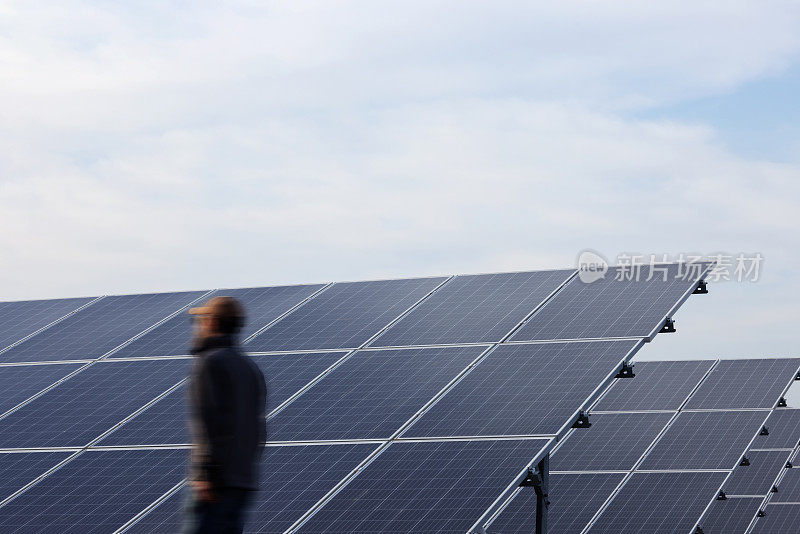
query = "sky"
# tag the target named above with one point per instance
(155, 146)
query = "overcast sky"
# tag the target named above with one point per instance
(150, 146)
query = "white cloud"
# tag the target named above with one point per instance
(171, 146)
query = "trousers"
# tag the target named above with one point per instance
(224, 515)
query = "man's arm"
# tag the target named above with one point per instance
(212, 398)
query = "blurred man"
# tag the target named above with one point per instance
(227, 396)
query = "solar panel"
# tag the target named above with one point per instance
(659, 503)
(22, 318)
(789, 486)
(734, 384)
(474, 309)
(523, 389)
(345, 315)
(96, 492)
(18, 469)
(705, 440)
(372, 394)
(430, 487)
(98, 328)
(574, 499)
(779, 519)
(165, 421)
(263, 305)
(293, 479)
(89, 403)
(656, 386)
(731, 516)
(610, 307)
(18, 383)
(783, 430)
(757, 477)
(613, 442)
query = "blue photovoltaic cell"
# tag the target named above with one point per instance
(783, 427)
(523, 389)
(371, 394)
(89, 403)
(262, 304)
(345, 315)
(18, 469)
(705, 440)
(574, 499)
(22, 318)
(613, 442)
(779, 519)
(426, 487)
(731, 516)
(98, 328)
(293, 479)
(659, 503)
(474, 309)
(95, 492)
(656, 386)
(17, 383)
(758, 477)
(165, 421)
(734, 384)
(610, 307)
(789, 486)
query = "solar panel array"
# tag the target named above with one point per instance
(659, 463)
(394, 405)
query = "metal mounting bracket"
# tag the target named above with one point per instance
(701, 289)
(582, 421)
(668, 328)
(626, 371)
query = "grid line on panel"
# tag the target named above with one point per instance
(293, 480)
(100, 328)
(704, 440)
(574, 501)
(656, 385)
(89, 403)
(475, 308)
(346, 315)
(730, 475)
(263, 305)
(308, 385)
(312, 296)
(18, 381)
(94, 492)
(658, 503)
(778, 519)
(758, 477)
(609, 307)
(444, 487)
(152, 506)
(738, 384)
(512, 396)
(730, 516)
(287, 377)
(783, 427)
(28, 470)
(372, 394)
(138, 412)
(613, 442)
(5, 345)
(156, 325)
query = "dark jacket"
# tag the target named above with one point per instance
(227, 396)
